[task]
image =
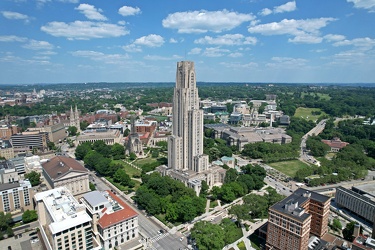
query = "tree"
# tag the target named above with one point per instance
(132, 156)
(92, 186)
(82, 150)
(204, 189)
(33, 177)
(336, 225)
(126, 132)
(123, 178)
(72, 130)
(5, 220)
(29, 216)
(117, 151)
(208, 236)
(230, 176)
(51, 145)
(347, 232)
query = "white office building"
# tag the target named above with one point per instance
(64, 222)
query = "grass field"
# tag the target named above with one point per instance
(128, 169)
(289, 167)
(144, 161)
(306, 114)
(241, 245)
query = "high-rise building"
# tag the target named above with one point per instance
(292, 220)
(185, 145)
(186, 161)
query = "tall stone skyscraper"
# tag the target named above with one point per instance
(185, 145)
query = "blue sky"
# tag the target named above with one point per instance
(302, 41)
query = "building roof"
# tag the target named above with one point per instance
(60, 165)
(7, 186)
(109, 219)
(95, 198)
(291, 205)
(335, 143)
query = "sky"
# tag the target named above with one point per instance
(278, 41)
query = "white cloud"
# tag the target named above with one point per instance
(286, 62)
(38, 45)
(150, 41)
(288, 7)
(101, 57)
(237, 65)
(304, 31)
(15, 15)
(334, 37)
(172, 40)
(91, 12)
(228, 39)
(18, 60)
(265, 12)
(365, 43)
(195, 51)
(215, 52)
(129, 11)
(132, 48)
(235, 54)
(84, 30)
(363, 4)
(12, 39)
(204, 21)
(162, 58)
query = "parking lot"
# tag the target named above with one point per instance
(22, 241)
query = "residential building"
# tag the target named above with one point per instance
(64, 223)
(114, 223)
(15, 197)
(8, 173)
(292, 220)
(359, 200)
(7, 131)
(64, 171)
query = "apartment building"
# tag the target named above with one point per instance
(15, 196)
(114, 222)
(292, 220)
(64, 223)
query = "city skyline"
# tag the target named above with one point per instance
(310, 41)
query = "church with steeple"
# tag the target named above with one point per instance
(74, 119)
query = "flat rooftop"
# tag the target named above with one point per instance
(64, 209)
(367, 188)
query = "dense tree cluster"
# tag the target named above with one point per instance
(270, 152)
(211, 236)
(238, 184)
(316, 146)
(255, 206)
(33, 177)
(5, 224)
(216, 148)
(163, 195)
(29, 216)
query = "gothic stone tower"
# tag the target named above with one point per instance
(185, 145)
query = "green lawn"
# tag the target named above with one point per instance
(140, 162)
(289, 167)
(129, 169)
(241, 245)
(306, 114)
